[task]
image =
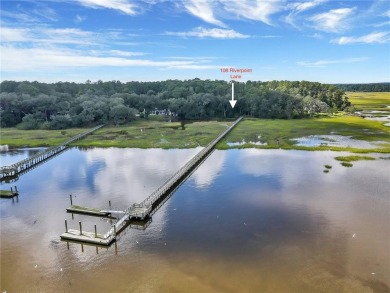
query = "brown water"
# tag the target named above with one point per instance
(246, 221)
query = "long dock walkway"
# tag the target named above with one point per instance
(143, 210)
(12, 171)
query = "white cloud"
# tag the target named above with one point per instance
(121, 5)
(303, 6)
(335, 20)
(47, 35)
(387, 13)
(216, 33)
(324, 63)
(37, 14)
(204, 10)
(79, 18)
(126, 53)
(257, 10)
(316, 36)
(297, 8)
(18, 16)
(375, 37)
(381, 24)
(14, 35)
(15, 58)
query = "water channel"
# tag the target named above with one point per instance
(247, 220)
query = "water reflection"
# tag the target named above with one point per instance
(245, 221)
(13, 156)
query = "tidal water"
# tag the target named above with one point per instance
(245, 221)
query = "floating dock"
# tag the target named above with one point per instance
(143, 211)
(87, 237)
(87, 211)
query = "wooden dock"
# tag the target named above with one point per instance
(143, 211)
(13, 171)
(87, 237)
(87, 211)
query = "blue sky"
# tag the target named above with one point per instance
(78, 40)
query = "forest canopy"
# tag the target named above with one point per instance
(364, 87)
(33, 105)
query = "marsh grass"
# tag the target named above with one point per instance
(14, 137)
(346, 164)
(354, 158)
(370, 100)
(156, 134)
(278, 133)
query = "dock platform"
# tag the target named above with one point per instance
(87, 237)
(74, 209)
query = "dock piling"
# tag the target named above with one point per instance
(71, 201)
(16, 189)
(109, 204)
(12, 191)
(81, 230)
(95, 232)
(66, 226)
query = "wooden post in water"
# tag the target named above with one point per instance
(12, 190)
(71, 201)
(95, 232)
(16, 189)
(66, 226)
(109, 204)
(114, 231)
(81, 231)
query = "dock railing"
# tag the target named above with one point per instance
(16, 168)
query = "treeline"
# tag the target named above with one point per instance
(365, 87)
(32, 105)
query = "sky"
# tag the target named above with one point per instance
(147, 40)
